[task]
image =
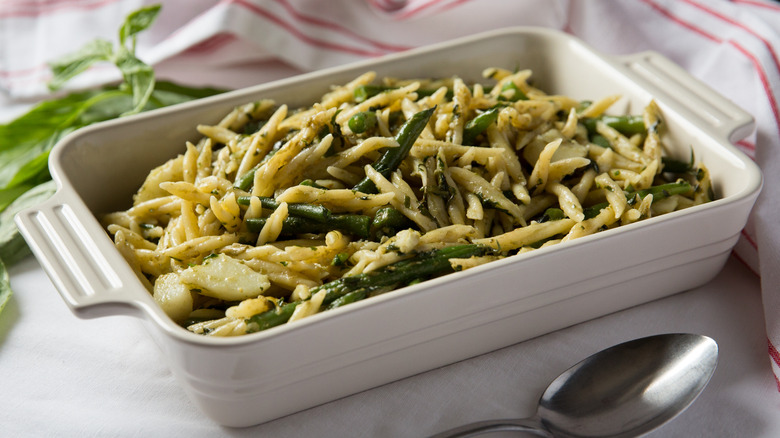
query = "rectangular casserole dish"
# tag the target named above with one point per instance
(255, 378)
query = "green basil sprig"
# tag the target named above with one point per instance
(25, 142)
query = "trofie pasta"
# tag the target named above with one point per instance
(279, 213)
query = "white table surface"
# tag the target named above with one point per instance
(62, 376)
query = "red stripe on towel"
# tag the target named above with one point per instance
(36, 9)
(742, 26)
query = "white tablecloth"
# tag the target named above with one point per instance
(63, 377)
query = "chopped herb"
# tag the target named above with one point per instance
(340, 259)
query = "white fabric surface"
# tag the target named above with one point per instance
(66, 377)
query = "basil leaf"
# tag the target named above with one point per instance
(25, 142)
(9, 195)
(138, 75)
(71, 65)
(42, 120)
(184, 93)
(105, 106)
(5, 286)
(12, 245)
(14, 169)
(136, 22)
(35, 171)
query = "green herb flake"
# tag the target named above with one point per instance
(340, 259)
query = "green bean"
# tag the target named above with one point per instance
(392, 157)
(388, 221)
(422, 266)
(314, 212)
(271, 318)
(478, 125)
(676, 166)
(626, 125)
(659, 192)
(348, 299)
(662, 191)
(246, 180)
(672, 165)
(353, 224)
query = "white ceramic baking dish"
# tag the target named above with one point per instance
(255, 378)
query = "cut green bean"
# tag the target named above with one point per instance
(672, 165)
(388, 221)
(676, 166)
(626, 125)
(272, 318)
(352, 224)
(420, 267)
(478, 125)
(246, 180)
(659, 192)
(392, 157)
(348, 299)
(314, 212)
(662, 191)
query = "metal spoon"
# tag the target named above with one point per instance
(624, 391)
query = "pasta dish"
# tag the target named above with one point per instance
(279, 213)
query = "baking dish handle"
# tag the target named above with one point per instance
(83, 267)
(695, 99)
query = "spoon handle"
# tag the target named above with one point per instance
(473, 429)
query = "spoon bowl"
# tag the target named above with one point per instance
(626, 390)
